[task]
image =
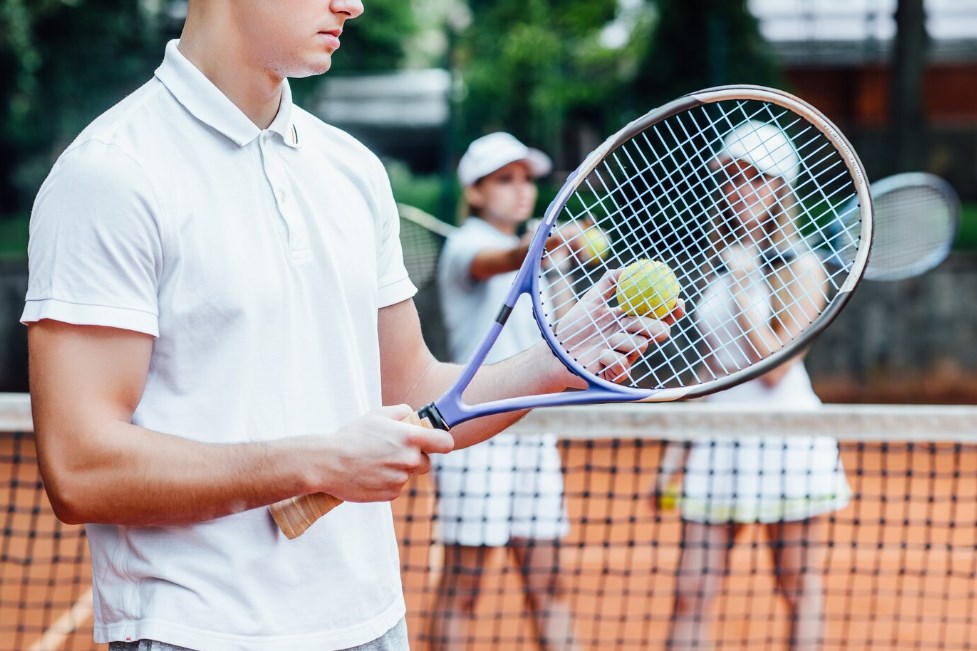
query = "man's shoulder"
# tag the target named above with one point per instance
(137, 113)
(105, 159)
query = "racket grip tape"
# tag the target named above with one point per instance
(295, 515)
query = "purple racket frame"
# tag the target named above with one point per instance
(450, 410)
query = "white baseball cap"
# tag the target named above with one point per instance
(496, 150)
(765, 147)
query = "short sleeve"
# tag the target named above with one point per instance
(393, 283)
(457, 257)
(95, 252)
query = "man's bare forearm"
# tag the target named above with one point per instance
(99, 467)
(130, 475)
(86, 383)
(124, 474)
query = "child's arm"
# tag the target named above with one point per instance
(494, 261)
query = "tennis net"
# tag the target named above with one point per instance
(890, 564)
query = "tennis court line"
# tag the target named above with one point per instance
(55, 636)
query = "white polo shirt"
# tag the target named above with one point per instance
(258, 260)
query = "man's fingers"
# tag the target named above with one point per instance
(423, 465)
(629, 344)
(395, 412)
(604, 338)
(615, 365)
(431, 441)
(605, 287)
(419, 435)
(655, 329)
(677, 312)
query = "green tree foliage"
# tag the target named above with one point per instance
(62, 62)
(700, 43)
(540, 68)
(535, 67)
(376, 42)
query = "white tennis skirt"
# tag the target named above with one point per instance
(765, 478)
(507, 487)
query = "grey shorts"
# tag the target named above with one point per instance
(393, 640)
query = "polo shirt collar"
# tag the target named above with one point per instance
(208, 104)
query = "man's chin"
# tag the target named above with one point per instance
(312, 69)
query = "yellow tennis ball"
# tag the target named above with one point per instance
(668, 500)
(647, 287)
(595, 247)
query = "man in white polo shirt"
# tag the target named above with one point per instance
(217, 310)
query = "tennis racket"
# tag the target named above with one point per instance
(652, 189)
(916, 219)
(422, 237)
(917, 216)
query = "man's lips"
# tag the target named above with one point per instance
(331, 37)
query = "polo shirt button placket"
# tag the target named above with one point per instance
(295, 230)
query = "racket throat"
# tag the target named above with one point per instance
(433, 416)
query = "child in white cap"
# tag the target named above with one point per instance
(506, 492)
(787, 484)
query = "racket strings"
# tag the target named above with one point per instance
(779, 343)
(918, 227)
(658, 196)
(421, 250)
(698, 180)
(810, 162)
(741, 341)
(422, 237)
(606, 196)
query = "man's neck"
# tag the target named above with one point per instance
(222, 59)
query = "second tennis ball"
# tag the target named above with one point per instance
(669, 498)
(647, 287)
(595, 245)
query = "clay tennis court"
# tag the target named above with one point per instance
(901, 565)
(901, 574)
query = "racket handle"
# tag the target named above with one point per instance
(296, 514)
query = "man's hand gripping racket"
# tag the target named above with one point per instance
(652, 190)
